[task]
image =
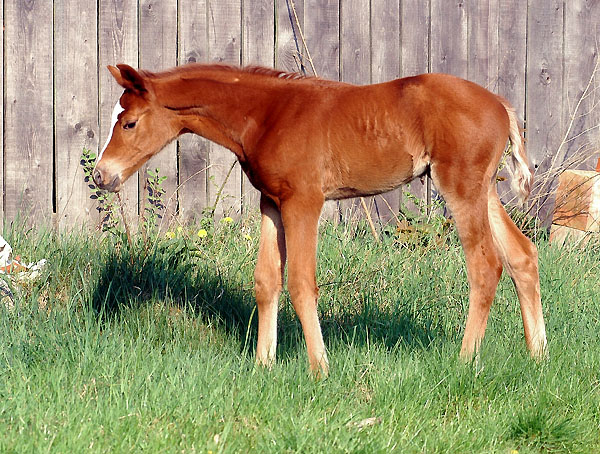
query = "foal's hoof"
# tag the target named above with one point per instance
(540, 355)
(320, 370)
(266, 363)
(468, 355)
(539, 350)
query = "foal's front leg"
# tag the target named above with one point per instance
(300, 216)
(268, 278)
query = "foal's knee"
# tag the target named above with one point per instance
(266, 286)
(302, 290)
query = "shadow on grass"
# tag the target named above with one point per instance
(129, 279)
(136, 278)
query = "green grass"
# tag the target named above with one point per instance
(151, 350)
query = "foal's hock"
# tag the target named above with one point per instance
(303, 140)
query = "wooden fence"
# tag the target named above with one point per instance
(58, 96)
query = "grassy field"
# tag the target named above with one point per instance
(150, 349)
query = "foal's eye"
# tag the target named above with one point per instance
(129, 125)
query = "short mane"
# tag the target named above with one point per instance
(192, 69)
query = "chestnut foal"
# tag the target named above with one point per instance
(302, 141)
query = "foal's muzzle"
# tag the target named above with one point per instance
(104, 181)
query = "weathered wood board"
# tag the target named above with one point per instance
(355, 68)
(158, 51)
(581, 106)
(118, 43)
(28, 122)
(512, 55)
(76, 121)
(449, 31)
(415, 24)
(322, 31)
(193, 150)
(258, 48)
(224, 46)
(544, 105)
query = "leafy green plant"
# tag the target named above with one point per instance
(107, 202)
(154, 206)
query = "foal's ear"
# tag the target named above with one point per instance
(128, 78)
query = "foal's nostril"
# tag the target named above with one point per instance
(97, 177)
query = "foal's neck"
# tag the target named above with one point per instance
(227, 110)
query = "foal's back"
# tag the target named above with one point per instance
(364, 140)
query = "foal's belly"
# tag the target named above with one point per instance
(371, 172)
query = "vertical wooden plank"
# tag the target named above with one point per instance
(581, 112)
(224, 45)
(544, 82)
(118, 43)
(76, 113)
(482, 58)
(449, 37)
(355, 64)
(258, 44)
(448, 47)
(385, 66)
(512, 55)
(355, 67)
(289, 52)
(385, 40)
(193, 150)
(258, 48)
(414, 37)
(322, 31)
(414, 45)
(28, 166)
(158, 50)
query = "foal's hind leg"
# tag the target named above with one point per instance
(469, 210)
(268, 278)
(519, 256)
(483, 270)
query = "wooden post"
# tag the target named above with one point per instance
(258, 48)
(28, 116)
(118, 43)
(224, 46)
(76, 124)
(193, 150)
(158, 50)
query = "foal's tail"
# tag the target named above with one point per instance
(518, 164)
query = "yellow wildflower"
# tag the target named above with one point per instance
(170, 235)
(227, 220)
(247, 237)
(202, 233)
(179, 229)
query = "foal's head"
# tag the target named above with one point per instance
(140, 128)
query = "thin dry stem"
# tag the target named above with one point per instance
(125, 223)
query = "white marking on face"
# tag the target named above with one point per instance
(113, 120)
